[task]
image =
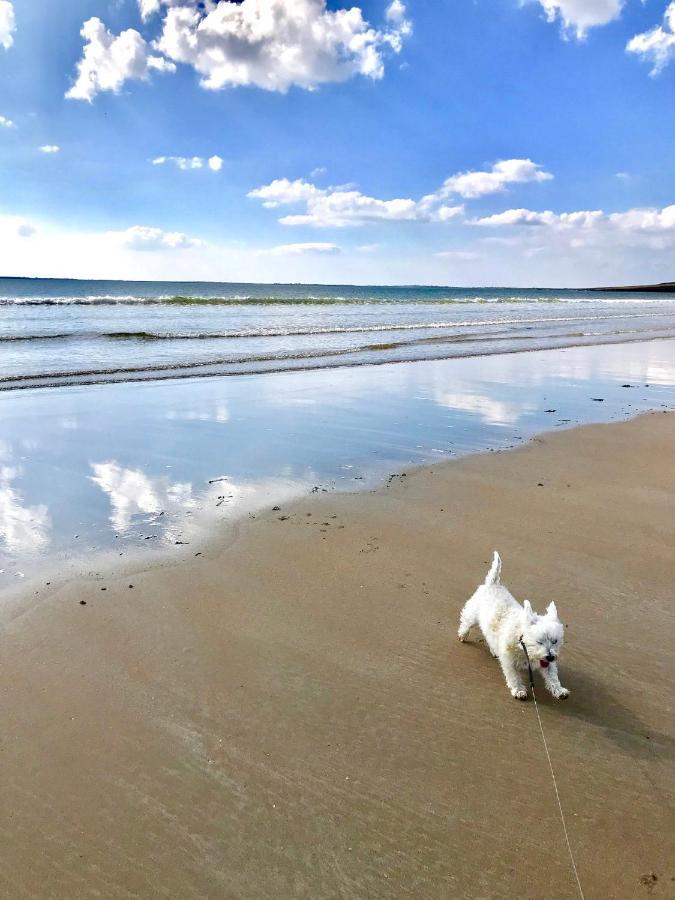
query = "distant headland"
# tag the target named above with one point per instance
(665, 287)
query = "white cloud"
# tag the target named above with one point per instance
(577, 16)
(108, 61)
(458, 255)
(301, 249)
(496, 180)
(182, 162)
(50, 148)
(214, 163)
(338, 207)
(271, 44)
(658, 45)
(6, 123)
(148, 8)
(528, 217)
(142, 237)
(640, 227)
(7, 24)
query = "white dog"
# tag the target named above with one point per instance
(505, 624)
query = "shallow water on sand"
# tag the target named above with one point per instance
(132, 467)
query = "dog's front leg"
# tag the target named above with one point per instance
(552, 682)
(513, 679)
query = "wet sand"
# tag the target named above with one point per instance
(289, 714)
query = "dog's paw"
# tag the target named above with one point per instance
(562, 694)
(461, 638)
(519, 694)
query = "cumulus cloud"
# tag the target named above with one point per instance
(142, 237)
(495, 180)
(214, 163)
(270, 44)
(338, 207)
(301, 249)
(639, 227)
(577, 16)
(658, 45)
(108, 61)
(6, 123)
(7, 24)
(50, 148)
(148, 8)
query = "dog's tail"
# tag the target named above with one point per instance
(492, 576)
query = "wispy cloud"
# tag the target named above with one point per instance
(301, 249)
(50, 148)
(6, 123)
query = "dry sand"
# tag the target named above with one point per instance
(291, 715)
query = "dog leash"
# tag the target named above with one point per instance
(550, 765)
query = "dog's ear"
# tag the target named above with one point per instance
(530, 615)
(551, 611)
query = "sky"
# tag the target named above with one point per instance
(456, 142)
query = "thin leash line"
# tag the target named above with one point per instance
(555, 783)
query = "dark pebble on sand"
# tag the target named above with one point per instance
(83, 602)
(104, 589)
(625, 385)
(282, 518)
(131, 585)
(550, 410)
(598, 399)
(276, 508)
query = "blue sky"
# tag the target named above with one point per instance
(485, 142)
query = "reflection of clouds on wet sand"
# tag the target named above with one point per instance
(185, 512)
(132, 493)
(491, 411)
(22, 528)
(217, 413)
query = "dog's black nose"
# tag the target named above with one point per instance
(550, 657)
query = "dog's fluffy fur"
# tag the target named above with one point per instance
(504, 623)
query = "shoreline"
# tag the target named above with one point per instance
(12, 383)
(290, 713)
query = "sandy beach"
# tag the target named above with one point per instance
(289, 713)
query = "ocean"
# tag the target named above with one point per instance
(64, 331)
